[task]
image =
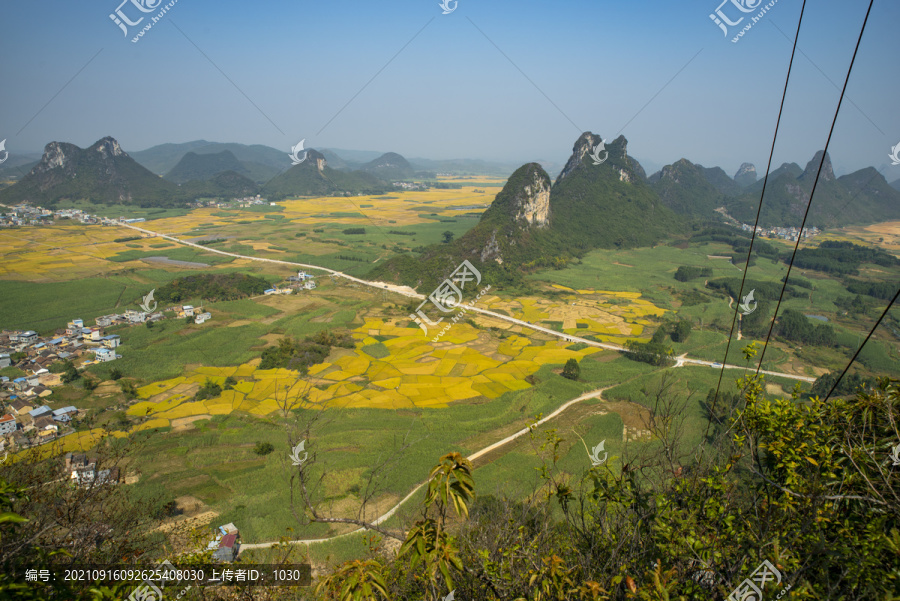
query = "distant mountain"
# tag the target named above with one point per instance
(720, 181)
(103, 173)
(693, 190)
(336, 162)
(464, 167)
(261, 163)
(227, 184)
(532, 223)
(389, 167)
(313, 177)
(17, 165)
(193, 166)
(895, 184)
(860, 197)
(746, 175)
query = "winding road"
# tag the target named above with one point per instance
(681, 361)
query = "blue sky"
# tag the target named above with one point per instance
(451, 92)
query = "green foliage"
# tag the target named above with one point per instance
(447, 237)
(842, 258)
(209, 390)
(115, 373)
(881, 290)
(355, 230)
(70, 373)
(654, 353)
(795, 326)
(263, 448)
(301, 354)
(685, 273)
(212, 287)
(127, 239)
(572, 370)
(128, 388)
(681, 330)
(852, 383)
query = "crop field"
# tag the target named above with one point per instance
(396, 394)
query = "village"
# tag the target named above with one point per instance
(49, 361)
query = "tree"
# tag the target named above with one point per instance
(681, 331)
(572, 369)
(128, 387)
(70, 374)
(448, 236)
(263, 448)
(115, 373)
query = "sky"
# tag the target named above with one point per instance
(514, 81)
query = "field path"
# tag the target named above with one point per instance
(409, 292)
(588, 395)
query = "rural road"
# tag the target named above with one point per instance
(409, 292)
(472, 457)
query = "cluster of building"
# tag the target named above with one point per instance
(419, 187)
(301, 281)
(26, 214)
(26, 425)
(784, 233)
(247, 201)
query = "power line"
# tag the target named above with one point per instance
(815, 184)
(859, 350)
(758, 213)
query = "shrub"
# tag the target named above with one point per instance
(263, 448)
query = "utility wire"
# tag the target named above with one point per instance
(758, 213)
(815, 184)
(859, 350)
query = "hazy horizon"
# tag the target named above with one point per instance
(510, 82)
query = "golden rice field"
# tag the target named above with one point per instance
(610, 316)
(465, 365)
(69, 252)
(390, 209)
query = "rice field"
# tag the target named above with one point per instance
(466, 365)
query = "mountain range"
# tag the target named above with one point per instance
(534, 223)
(612, 205)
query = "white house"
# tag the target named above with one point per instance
(105, 354)
(188, 310)
(201, 317)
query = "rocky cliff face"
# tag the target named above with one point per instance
(746, 175)
(533, 201)
(809, 174)
(615, 153)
